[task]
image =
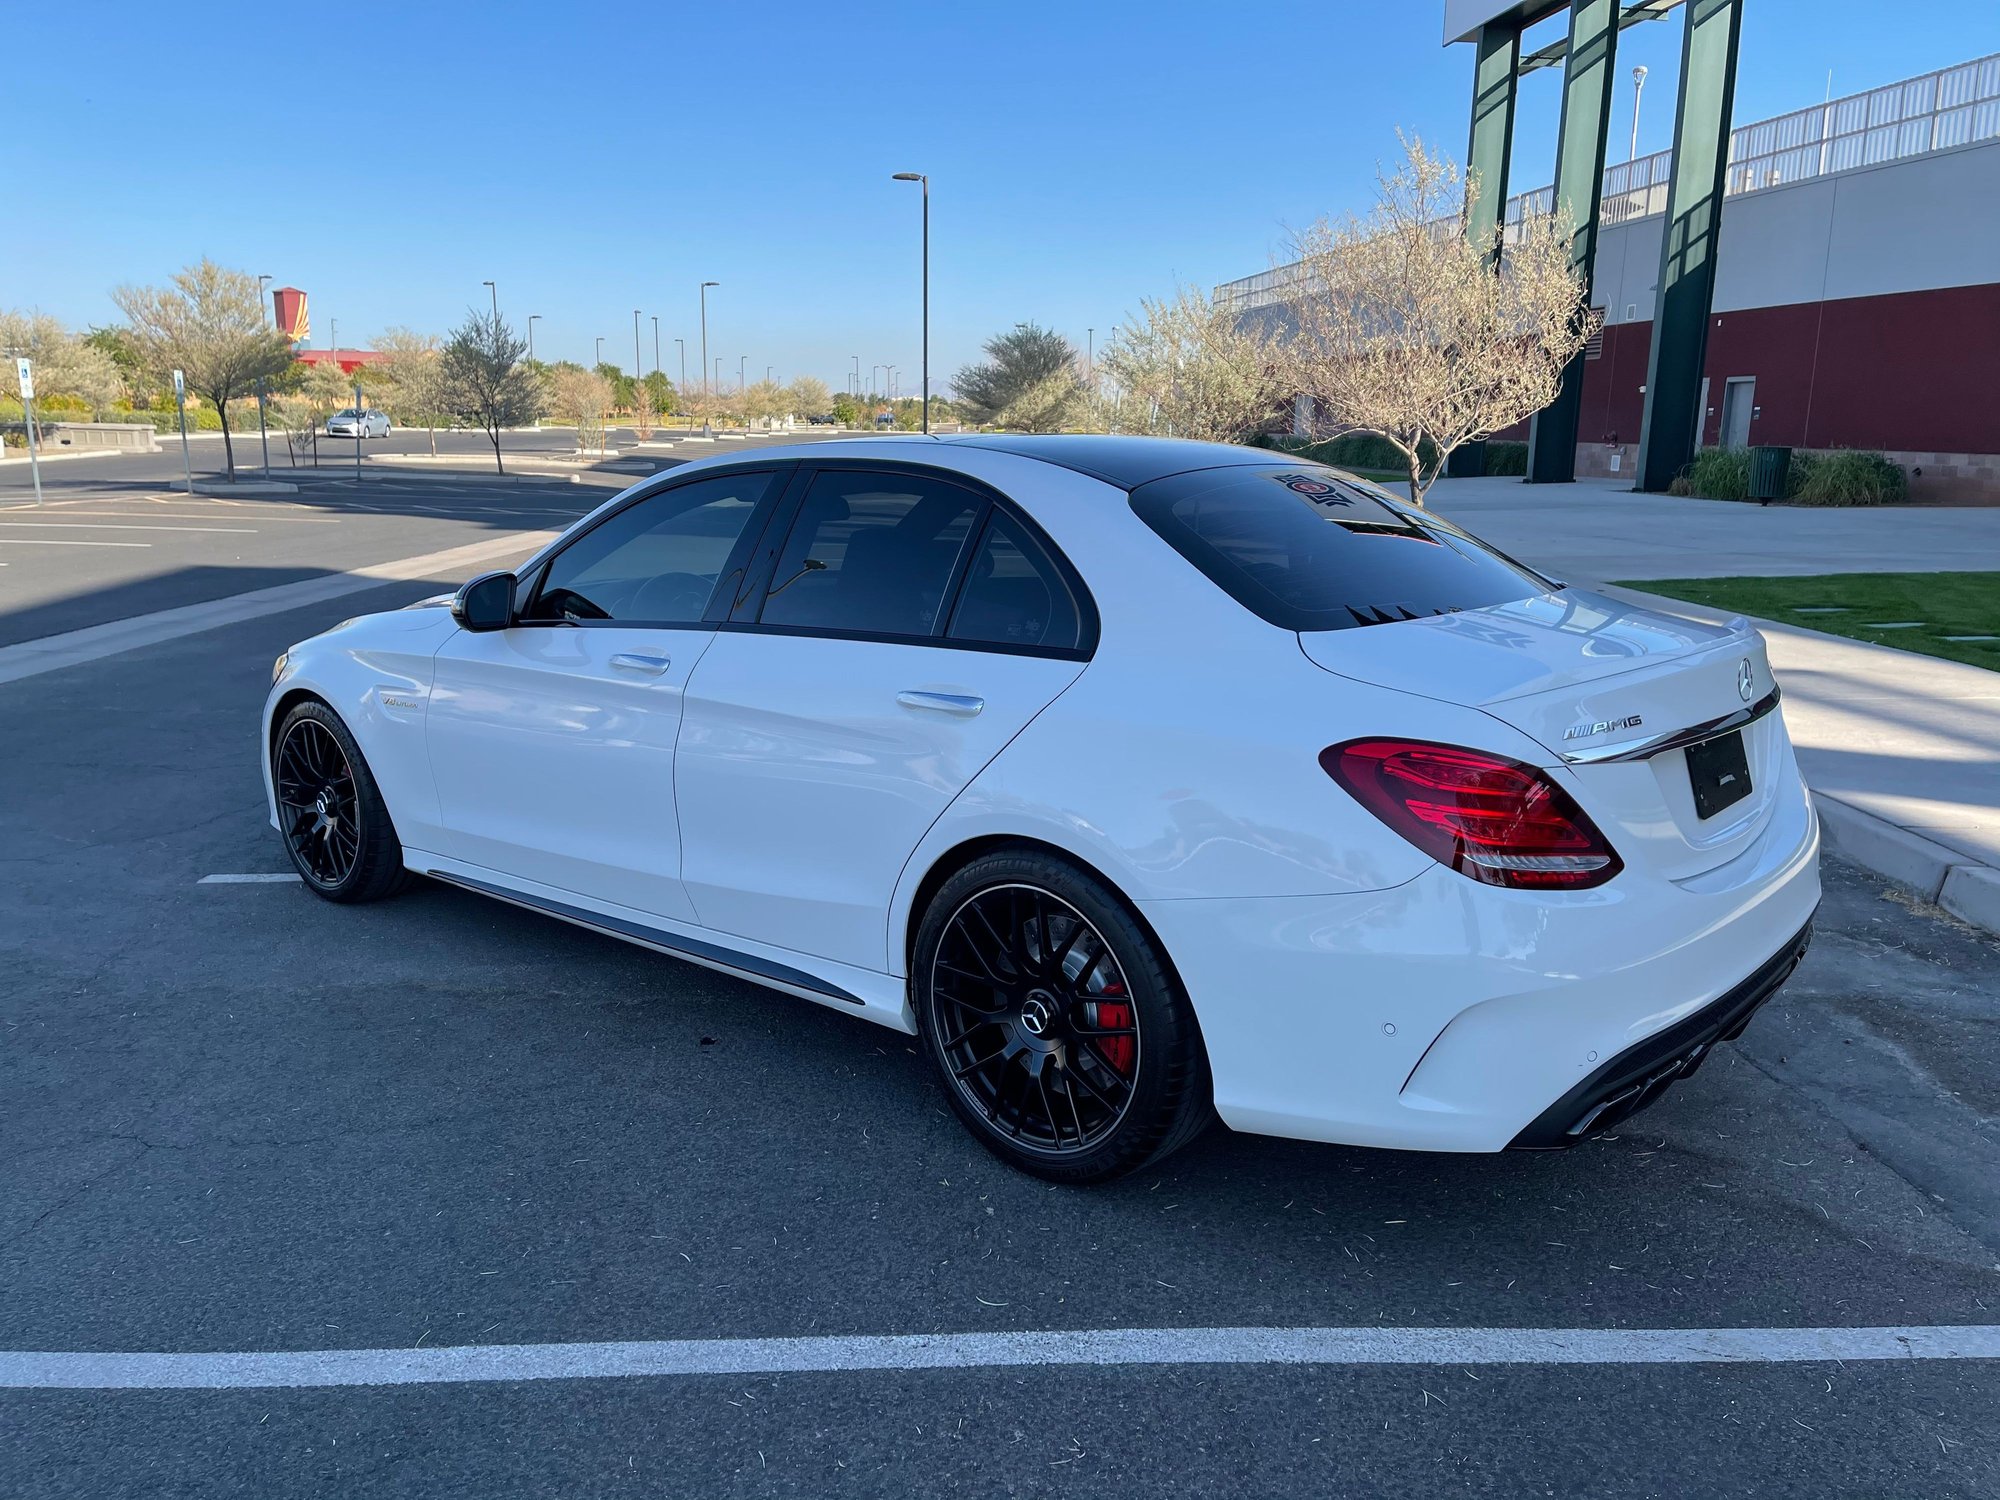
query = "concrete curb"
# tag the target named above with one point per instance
(67, 454)
(1941, 875)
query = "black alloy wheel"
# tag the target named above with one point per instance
(317, 803)
(335, 825)
(1059, 1033)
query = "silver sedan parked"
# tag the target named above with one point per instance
(358, 424)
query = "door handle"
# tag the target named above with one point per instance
(958, 705)
(634, 661)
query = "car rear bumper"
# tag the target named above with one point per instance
(1640, 1074)
(1446, 1015)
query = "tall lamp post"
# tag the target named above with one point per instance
(704, 328)
(637, 372)
(600, 354)
(857, 372)
(1638, 88)
(743, 373)
(532, 317)
(263, 432)
(681, 395)
(496, 300)
(656, 343)
(921, 178)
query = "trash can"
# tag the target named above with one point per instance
(1769, 468)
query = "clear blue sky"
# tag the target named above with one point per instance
(389, 158)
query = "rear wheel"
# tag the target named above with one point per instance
(1060, 1034)
(335, 825)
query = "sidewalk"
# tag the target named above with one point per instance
(1902, 751)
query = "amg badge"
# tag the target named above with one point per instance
(1601, 726)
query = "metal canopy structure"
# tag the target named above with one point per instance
(1694, 195)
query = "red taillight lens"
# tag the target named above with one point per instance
(1494, 819)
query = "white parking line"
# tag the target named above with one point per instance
(117, 526)
(93, 642)
(274, 879)
(29, 1370)
(65, 541)
(174, 515)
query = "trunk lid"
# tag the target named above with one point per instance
(1584, 676)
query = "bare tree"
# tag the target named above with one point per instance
(642, 408)
(765, 400)
(411, 375)
(1401, 326)
(210, 325)
(1187, 368)
(486, 384)
(65, 365)
(582, 398)
(316, 392)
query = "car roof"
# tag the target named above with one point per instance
(1125, 461)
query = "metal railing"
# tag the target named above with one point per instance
(1954, 106)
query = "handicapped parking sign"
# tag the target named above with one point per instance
(24, 368)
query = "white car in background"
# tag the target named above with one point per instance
(358, 424)
(1145, 781)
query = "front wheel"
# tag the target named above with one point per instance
(335, 824)
(1057, 1028)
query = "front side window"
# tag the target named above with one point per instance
(656, 562)
(1308, 548)
(1013, 595)
(870, 554)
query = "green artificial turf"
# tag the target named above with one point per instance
(1860, 604)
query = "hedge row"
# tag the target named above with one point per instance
(1840, 476)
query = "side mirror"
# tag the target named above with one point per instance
(486, 603)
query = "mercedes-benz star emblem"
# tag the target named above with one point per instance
(1035, 1016)
(1746, 680)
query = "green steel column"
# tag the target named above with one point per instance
(1586, 116)
(1494, 76)
(1687, 254)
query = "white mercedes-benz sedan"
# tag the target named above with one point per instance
(1144, 781)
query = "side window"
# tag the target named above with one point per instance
(656, 562)
(1013, 595)
(870, 553)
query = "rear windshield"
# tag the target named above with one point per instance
(1314, 549)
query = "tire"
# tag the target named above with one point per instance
(1059, 1033)
(332, 820)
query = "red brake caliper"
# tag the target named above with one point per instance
(1107, 1012)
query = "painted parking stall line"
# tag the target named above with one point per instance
(282, 877)
(29, 1370)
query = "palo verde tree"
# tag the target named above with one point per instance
(412, 382)
(1185, 367)
(1027, 380)
(210, 325)
(1401, 326)
(486, 385)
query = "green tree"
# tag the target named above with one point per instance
(1027, 380)
(210, 325)
(808, 397)
(662, 392)
(846, 410)
(486, 385)
(619, 384)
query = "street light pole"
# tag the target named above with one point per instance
(600, 354)
(704, 328)
(922, 178)
(263, 430)
(656, 343)
(681, 395)
(857, 372)
(1638, 87)
(496, 301)
(743, 373)
(531, 334)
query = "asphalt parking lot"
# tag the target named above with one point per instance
(237, 1120)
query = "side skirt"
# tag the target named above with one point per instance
(710, 955)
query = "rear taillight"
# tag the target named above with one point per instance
(1494, 819)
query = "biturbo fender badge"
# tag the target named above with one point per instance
(1601, 726)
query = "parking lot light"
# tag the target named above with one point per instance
(925, 180)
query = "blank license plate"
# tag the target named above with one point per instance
(1719, 772)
